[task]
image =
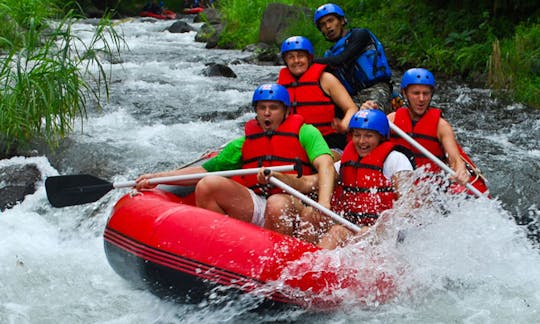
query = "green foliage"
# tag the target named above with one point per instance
(448, 37)
(46, 72)
(515, 65)
(18, 16)
(243, 20)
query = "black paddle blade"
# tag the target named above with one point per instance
(78, 189)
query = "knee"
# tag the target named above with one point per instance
(307, 215)
(339, 233)
(313, 218)
(207, 185)
(276, 205)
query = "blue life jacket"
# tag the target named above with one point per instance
(370, 66)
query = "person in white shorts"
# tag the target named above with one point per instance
(273, 138)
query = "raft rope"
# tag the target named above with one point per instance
(473, 170)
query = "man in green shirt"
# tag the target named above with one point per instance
(273, 138)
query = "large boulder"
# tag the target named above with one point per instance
(216, 69)
(180, 27)
(16, 182)
(276, 20)
(262, 54)
(211, 15)
(209, 33)
(8, 149)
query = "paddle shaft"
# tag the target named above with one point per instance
(431, 156)
(190, 163)
(195, 176)
(278, 183)
(206, 155)
(77, 189)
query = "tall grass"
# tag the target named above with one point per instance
(47, 74)
(20, 16)
(514, 65)
(243, 20)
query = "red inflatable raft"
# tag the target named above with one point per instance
(166, 14)
(477, 179)
(159, 241)
(193, 11)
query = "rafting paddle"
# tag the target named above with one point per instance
(78, 189)
(205, 156)
(278, 183)
(432, 157)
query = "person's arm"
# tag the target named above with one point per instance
(391, 116)
(446, 136)
(398, 169)
(305, 184)
(142, 180)
(356, 44)
(370, 104)
(228, 159)
(402, 182)
(326, 179)
(333, 88)
(321, 158)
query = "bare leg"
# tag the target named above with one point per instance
(312, 225)
(224, 196)
(339, 235)
(281, 213)
(336, 236)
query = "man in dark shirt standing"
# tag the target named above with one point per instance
(357, 58)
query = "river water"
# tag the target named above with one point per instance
(476, 263)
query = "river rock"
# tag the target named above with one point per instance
(263, 54)
(211, 15)
(216, 69)
(16, 182)
(180, 27)
(276, 19)
(210, 31)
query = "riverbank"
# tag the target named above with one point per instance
(477, 44)
(490, 44)
(480, 46)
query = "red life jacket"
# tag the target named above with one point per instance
(363, 191)
(274, 148)
(424, 132)
(308, 99)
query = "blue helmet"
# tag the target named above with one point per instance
(271, 91)
(296, 43)
(371, 119)
(417, 76)
(327, 9)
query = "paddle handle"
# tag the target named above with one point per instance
(195, 176)
(430, 155)
(278, 183)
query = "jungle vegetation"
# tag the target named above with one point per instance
(47, 74)
(492, 43)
